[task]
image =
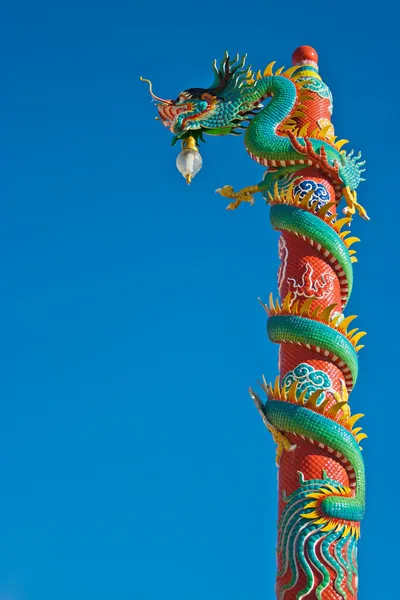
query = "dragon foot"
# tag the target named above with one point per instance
(280, 439)
(352, 205)
(244, 195)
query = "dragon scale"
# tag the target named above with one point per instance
(286, 116)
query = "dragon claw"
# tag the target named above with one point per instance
(226, 191)
(352, 205)
(244, 195)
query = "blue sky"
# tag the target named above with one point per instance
(133, 463)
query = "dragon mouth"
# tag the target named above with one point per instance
(169, 114)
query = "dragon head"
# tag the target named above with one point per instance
(217, 110)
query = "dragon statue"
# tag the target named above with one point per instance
(286, 119)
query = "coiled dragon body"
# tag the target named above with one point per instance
(308, 408)
(286, 116)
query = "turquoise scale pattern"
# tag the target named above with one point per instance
(301, 330)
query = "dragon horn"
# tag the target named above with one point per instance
(153, 95)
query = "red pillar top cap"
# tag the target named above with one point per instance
(304, 55)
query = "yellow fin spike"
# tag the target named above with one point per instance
(292, 392)
(343, 234)
(304, 130)
(277, 387)
(361, 436)
(305, 307)
(315, 312)
(358, 348)
(321, 407)
(286, 302)
(329, 526)
(352, 332)
(306, 199)
(325, 130)
(345, 393)
(265, 307)
(340, 143)
(289, 194)
(350, 241)
(336, 408)
(334, 321)
(268, 69)
(264, 384)
(353, 259)
(321, 521)
(341, 223)
(259, 76)
(331, 487)
(352, 252)
(286, 127)
(324, 209)
(289, 72)
(346, 322)
(295, 308)
(356, 338)
(316, 495)
(312, 515)
(302, 397)
(347, 530)
(326, 313)
(356, 430)
(271, 303)
(312, 400)
(353, 419)
(251, 81)
(299, 113)
(330, 218)
(297, 199)
(249, 73)
(279, 71)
